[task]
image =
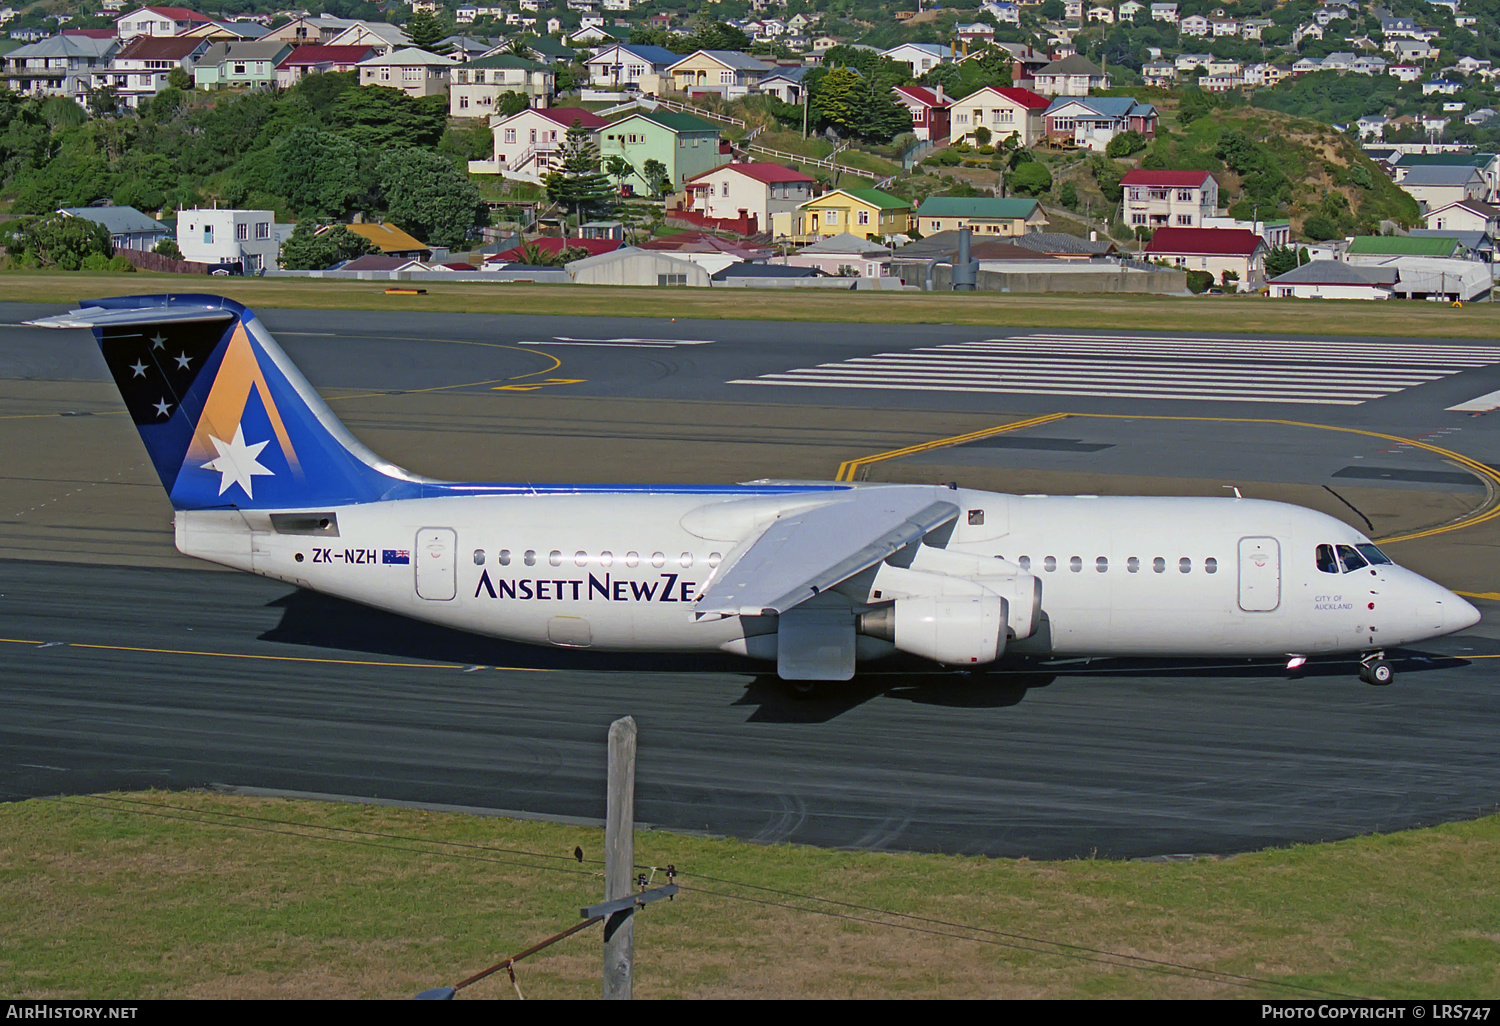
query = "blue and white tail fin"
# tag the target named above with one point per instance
(229, 422)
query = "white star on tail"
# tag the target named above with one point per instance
(236, 463)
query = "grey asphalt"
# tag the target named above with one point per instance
(1117, 759)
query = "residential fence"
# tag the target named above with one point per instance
(143, 260)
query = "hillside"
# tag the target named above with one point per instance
(1274, 165)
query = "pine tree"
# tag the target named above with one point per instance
(578, 183)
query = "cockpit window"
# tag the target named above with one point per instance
(1352, 560)
(1327, 561)
(1374, 555)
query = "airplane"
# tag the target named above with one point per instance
(817, 576)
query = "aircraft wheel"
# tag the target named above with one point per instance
(1380, 673)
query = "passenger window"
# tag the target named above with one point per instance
(1159, 565)
(1101, 564)
(606, 558)
(1133, 565)
(1185, 565)
(1352, 560)
(479, 557)
(685, 560)
(632, 558)
(555, 557)
(1024, 562)
(504, 558)
(1075, 564)
(1326, 561)
(714, 559)
(1049, 564)
(530, 558)
(1210, 565)
(658, 559)
(580, 558)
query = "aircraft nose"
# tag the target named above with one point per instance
(1458, 613)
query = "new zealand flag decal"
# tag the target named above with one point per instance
(401, 556)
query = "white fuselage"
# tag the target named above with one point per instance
(621, 570)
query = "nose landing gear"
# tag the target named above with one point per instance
(1373, 669)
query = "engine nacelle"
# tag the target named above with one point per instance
(955, 630)
(1023, 591)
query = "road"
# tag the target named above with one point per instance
(125, 665)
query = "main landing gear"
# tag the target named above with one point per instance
(1373, 669)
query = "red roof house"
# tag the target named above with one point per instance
(552, 244)
(929, 110)
(1215, 250)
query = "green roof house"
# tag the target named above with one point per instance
(983, 215)
(685, 145)
(1404, 245)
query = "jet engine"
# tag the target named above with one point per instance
(957, 631)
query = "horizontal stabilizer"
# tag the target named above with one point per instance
(812, 550)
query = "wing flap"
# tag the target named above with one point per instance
(102, 317)
(812, 550)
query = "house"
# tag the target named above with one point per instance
(1437, 185)
(552, 245)
(1333, 279)
(749, 189)
(227, 31)
(1130, 10)
(862, 211)
(1445, 86)
(1180, 199)
(390, 240)
(1071, 76)
(475, 87)
(1164, 12)
(240, 64)
(529, 143)
(685, 145)
(311, 30)
(1468, 215)
(786, 84)
(127, 226)
(1194, 25)
(1091, 122)
(316, 59)
(1409, 51)
(725, 73)
(414, 72)
(983, 215)
(1159, 73)
(139, 69)
(920, 57)
(382, 38)
(1215, 250)
(58, 65)
(629, 65)
(709, 252)
(1404, 72)
(224, 236)
(157, 21)
(1003, 112)
(1276, 233)
(929, 108)
(845, 255)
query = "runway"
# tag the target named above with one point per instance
(126, 666)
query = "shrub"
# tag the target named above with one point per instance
(1199, 281)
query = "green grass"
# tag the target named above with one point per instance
(1057, 310)
(193, 895)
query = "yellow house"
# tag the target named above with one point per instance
(856, 211)
(725, 73)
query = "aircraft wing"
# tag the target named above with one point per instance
(106, 317)
(812, 550)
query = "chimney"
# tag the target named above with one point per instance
(939, 94)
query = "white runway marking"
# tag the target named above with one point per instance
(627, 343)
(1326, 373)
(1483, 404)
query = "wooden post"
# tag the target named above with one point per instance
(619, 859)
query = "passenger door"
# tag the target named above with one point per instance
(437, 570)
(1260, 574)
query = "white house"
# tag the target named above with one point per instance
(414, 72)
(920, 57)
(157, 21)
(739, 190)
(529, 144)
(244, 237)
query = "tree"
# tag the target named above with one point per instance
(425, 31)
(180, 78)
(168, 248)
(577, 183)
(657, 178)
(381, 118)
(317, 172)
(428, 196)
(1320, 228)
(512, 102)
(62, 241)
(1124, 144)
(618, 168)
(1030, 179)
(103, 101)
(306, 250)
